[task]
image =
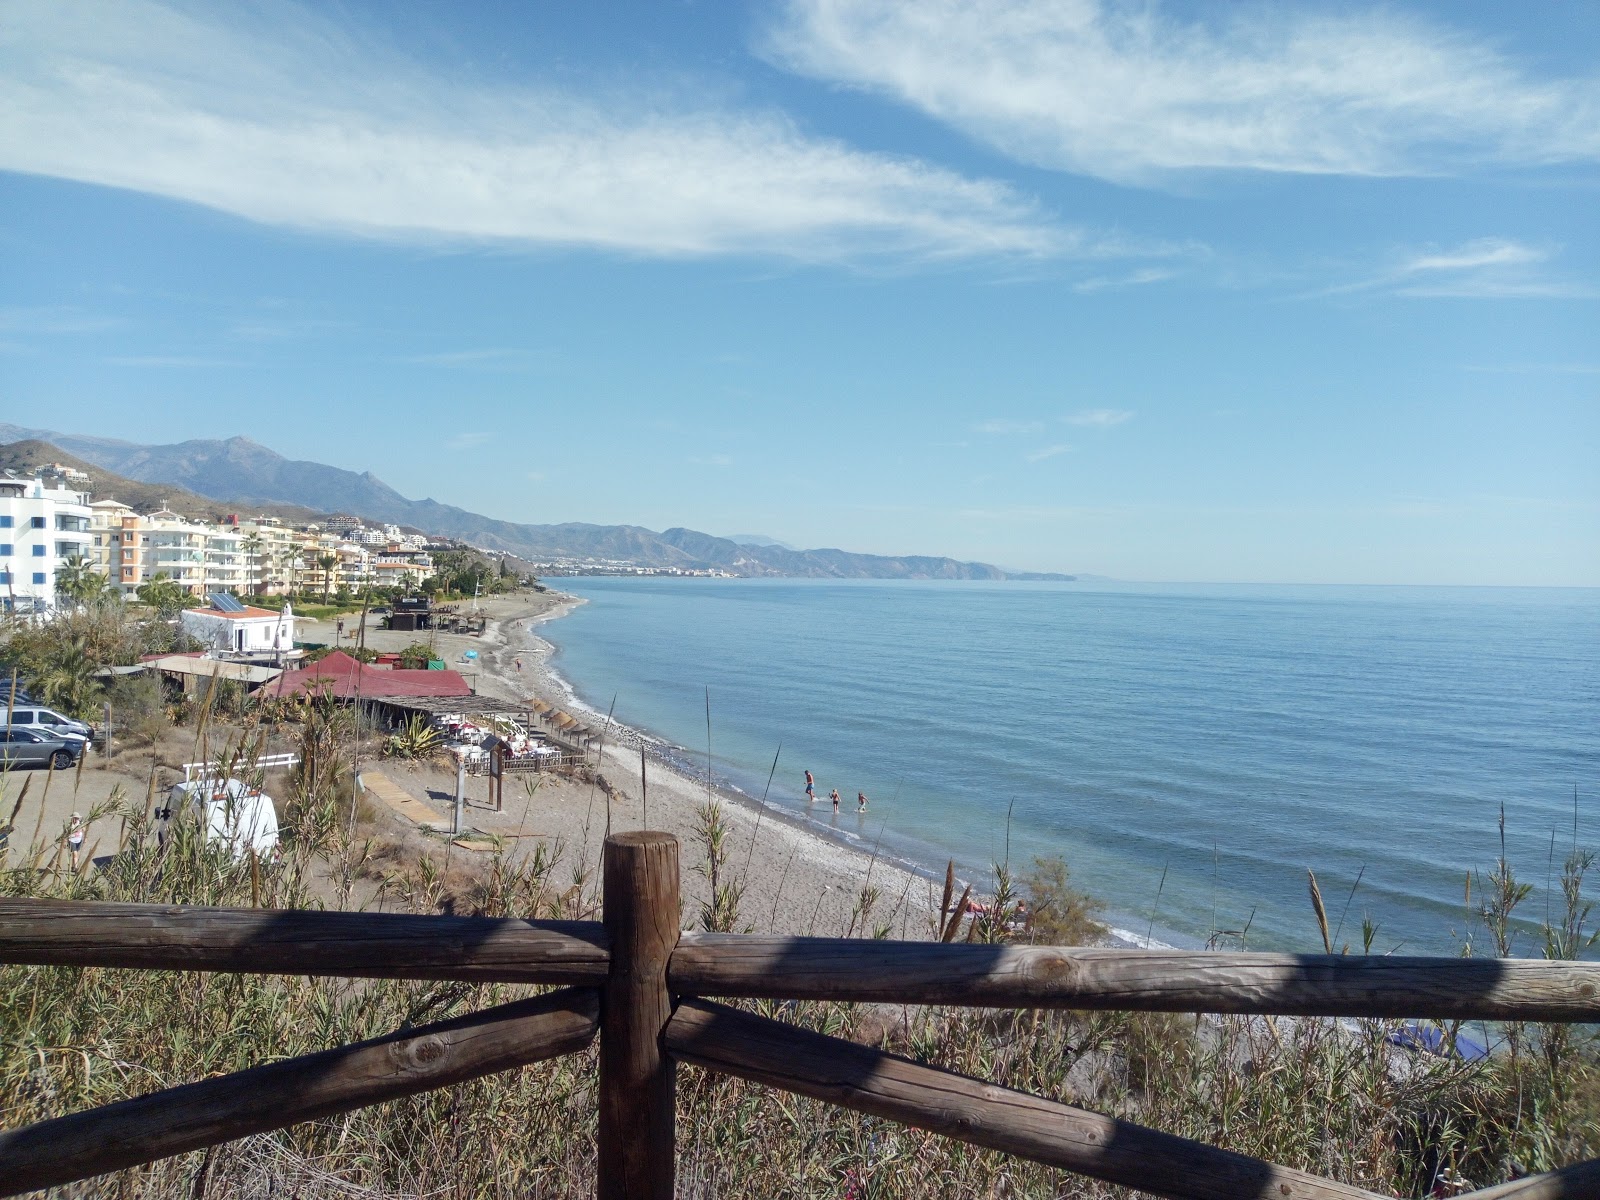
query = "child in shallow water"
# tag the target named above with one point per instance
(861, 802)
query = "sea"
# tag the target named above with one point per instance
(1191, 751)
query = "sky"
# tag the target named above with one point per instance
(1250, 292)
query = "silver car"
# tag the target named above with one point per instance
(34, 748)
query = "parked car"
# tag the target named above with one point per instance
(16, 695)
(34, 748)
(46, 720)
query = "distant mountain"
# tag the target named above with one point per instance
(245, 473)
(757, 539)
(27, 456)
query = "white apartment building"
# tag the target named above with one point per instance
(131, 549)
(43, 526)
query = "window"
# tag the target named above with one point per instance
(38, 576)
(5, 576)
(23, 716)
(7, 521)
(5, 550)
(38, 551)
(38, 522)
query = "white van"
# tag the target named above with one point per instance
(47, 721)
(230, 813)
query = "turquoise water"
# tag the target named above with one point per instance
(1226, 738)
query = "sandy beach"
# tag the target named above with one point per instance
(794, 881)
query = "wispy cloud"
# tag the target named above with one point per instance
(1003, 425)
(278, 114)
(1487, 268)
(55, 319)
(486, 358)
(1045, 452)
(1371, 92)
(1100, 418)
(1101, 283)
(712, 460)
(178, 361)
(467, 441)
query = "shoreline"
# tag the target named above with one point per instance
(795, 879)
(552, 685)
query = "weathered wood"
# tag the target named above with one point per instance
(719, 964)
(983, 1114)
(366, 945)
(1581, 1181)
(186, 1118)
(637, 1085)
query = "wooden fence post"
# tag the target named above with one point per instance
(637, 1093)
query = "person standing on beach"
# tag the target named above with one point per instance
(811, 788)
(75, 833)
(835, 799)
(861, 802)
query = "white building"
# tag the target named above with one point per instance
(131, 549)
(240, 630)
(42, 527)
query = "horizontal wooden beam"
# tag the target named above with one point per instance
(51, 1153)
(1011, 976)
(983, 1114)
(267, 941)
(1581, 1181)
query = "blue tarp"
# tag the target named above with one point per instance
(1431, 1040)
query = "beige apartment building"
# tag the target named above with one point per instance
(130, 549)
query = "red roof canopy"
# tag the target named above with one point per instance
(343, 678)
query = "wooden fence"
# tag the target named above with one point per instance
(640, 984)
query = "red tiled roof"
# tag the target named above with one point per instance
(343, 678)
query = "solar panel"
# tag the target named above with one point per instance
(223, 602)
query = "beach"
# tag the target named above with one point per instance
(793, 880)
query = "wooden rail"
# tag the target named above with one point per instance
(636, 964)
(272, 942)
(1003, 976)
(169, 1122)
(970, 1110)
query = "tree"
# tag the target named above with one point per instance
(252, 547)
(68, 681)
(165, 596)
(327, 562)
(79, 584)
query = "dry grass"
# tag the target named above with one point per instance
(1329, 1097)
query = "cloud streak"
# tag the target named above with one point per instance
(1045, 452)
(282, 117)
(1347, 93)
(1100, 418)
(1004, 425)
(1485, 269)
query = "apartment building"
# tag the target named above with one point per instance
(44, 524)
(130, 549)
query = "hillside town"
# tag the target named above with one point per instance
(52, 530)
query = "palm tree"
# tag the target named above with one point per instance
(165, 596)
(78, 583)
(252, 546)
(327, 562)
(68, 681)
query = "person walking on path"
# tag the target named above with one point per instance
(861, 802)
(75, 832)
(811, 788)
(835, 799)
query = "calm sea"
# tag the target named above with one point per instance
(1189, 749)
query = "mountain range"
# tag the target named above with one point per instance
(245, 475)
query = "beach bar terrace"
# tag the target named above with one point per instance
(645, 989)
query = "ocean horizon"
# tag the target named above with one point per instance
(1191, 750)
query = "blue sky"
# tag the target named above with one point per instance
(1234, 292)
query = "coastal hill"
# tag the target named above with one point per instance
(243, 473)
